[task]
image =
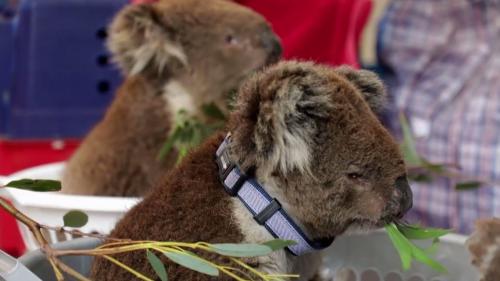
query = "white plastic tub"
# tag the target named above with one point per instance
(368, 257)
(49, 207)
(371, 257)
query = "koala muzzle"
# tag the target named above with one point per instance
(272, 45)
(405, 195)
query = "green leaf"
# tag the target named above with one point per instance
(433, 249)
(417, 233)
(169, 144)
(241, 250)
(420, 177)
(422, 257)
(436, 168)
(468, 185)
(212, 110)
(75, 218)
(402, 245)
(408, 251)
(278, 244)
(35, 185)
(408, 146)
(192, 262)
(183, 151)
(157, 265)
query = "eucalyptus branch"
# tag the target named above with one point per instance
(35, 228)
(167, 248)
(78, 233)
(450, 174)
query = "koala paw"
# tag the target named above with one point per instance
(484, 246)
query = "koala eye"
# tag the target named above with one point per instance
(231, 39)
(354, 176)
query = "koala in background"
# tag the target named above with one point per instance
(484, 246)
(308, 135)
(175, 54)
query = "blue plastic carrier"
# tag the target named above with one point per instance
(62, 79)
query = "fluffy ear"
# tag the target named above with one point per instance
(277, 116)
(141, 42)
(369, 84)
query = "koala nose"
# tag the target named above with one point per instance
(404, 194)
(272, 45)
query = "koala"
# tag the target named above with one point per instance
(308, 136)
(484, 246)
(174, 54)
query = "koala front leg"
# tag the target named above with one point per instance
(484, 246)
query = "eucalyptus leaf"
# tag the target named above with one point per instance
(422, 257)
(193, 262)
(157, 265)
(401, 244)
(408, 251)
(278, 244)
(213, 111)
(188, 132)
(462, 186)
(408, 146)
(433, 249)
(241, 250)
(35, 185)
(436, 168)
(418, 233)
(420, 177)
(75, 218)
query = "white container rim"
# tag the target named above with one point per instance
(56, 200)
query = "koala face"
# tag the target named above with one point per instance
(310, 133)
(211, 44)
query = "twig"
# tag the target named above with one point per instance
(70, 271)
(451, 175)
(116, 247)
(35, 228)
(76, 232)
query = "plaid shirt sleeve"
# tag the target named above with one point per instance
(446, 58)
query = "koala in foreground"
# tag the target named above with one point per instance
(484, 246)
(175, 54)
(307, 136)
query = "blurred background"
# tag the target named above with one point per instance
(440, 60)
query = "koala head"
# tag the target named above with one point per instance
(309, 134)
(207, 45)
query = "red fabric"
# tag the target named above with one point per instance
(18, 155)
(10, 237)
(326, 31)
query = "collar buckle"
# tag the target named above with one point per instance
(227, 169)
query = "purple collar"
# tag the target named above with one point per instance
(267, 211)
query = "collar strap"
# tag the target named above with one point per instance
(266, 210)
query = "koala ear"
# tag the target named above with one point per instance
(140, 42)
(277, 116)
(368, 84)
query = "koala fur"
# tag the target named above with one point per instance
(307, 134)
(484, 246)
(175, 54)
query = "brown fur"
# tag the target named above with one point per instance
(343, 134)
(344, 137)
(181, 41)
(484, 246)
(119, 156)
